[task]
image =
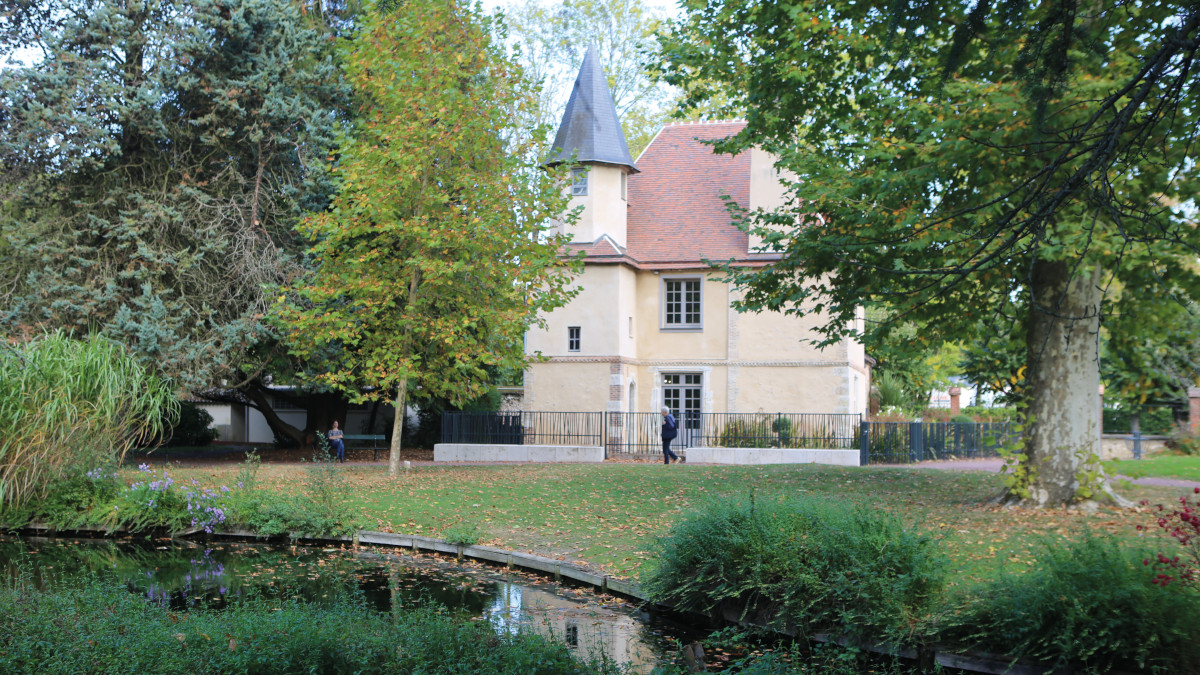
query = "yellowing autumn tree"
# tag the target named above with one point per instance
(434, 257)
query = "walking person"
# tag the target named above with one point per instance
(336, 444)
(670, 429)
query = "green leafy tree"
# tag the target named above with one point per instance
(434, 257)
(948, 158)
(156, 156)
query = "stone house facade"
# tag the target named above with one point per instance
(653, 323)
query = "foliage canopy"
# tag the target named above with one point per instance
(434, 257)
(1017, 170)
(155, 158)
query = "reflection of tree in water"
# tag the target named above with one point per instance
(182, 576)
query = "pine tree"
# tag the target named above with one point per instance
(156, 158)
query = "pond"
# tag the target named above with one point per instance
(183, 575)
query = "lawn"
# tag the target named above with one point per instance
(1163, 466)
(607, 516)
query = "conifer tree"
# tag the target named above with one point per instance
(156, 156)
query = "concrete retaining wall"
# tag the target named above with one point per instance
(1120, 446)
(463, 452)
(772, 456)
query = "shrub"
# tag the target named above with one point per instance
(73, 501)
(799, 564)
(1182, 524)
(1088, 606)
(323, 509)
(1184, 442)
(962, 418)
(68, 405)
(95, 627)
(194, 427)
(1155, 420)
(151, 502)
(894, 393)
(741, 433)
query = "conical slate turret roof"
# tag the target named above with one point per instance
(590, 129)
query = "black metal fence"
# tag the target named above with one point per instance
(782, 430)
(523, 428)
(640, 434)
(911, 442)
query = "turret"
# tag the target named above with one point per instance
(590, 138)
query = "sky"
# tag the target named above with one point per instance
(666, 8)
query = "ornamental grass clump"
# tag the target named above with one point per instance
(1086, 606)
(72, 404)
(801, 565)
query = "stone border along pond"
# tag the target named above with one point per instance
(974, 662)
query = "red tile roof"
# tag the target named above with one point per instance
(676, 214)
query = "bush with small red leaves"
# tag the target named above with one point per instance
(1181, 523)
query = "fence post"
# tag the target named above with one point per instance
(1193, 409)
(864, 443)
(604, 422)
(916, 438)
(1135, 427)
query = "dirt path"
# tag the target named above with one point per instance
(992, 465)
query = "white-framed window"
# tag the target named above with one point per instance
(579, 181)
(624, 186)
(682, 299)
(573, 340)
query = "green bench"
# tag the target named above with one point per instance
(375, 439)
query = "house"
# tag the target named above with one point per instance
(652, 324)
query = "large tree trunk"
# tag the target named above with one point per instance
(1062, 440)
(397, 430)
(321, 410)
(255, 394)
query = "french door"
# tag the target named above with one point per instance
(681, 393)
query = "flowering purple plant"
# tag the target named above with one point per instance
(207, 508)
(97, 474)
(157, 501)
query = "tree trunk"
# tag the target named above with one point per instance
(374, 416)
(1062, 440)
(262, 404)
(321, 410)
(397, 430)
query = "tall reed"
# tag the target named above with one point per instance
(68, 403)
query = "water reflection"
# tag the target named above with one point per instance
(185, 575)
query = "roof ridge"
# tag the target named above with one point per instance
(696, 123)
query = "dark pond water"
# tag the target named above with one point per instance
(184, 575)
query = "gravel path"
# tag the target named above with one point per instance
(992, 465)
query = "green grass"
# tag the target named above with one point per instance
(608, 516)
(1163, 466)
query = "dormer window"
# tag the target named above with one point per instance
(579, 182)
